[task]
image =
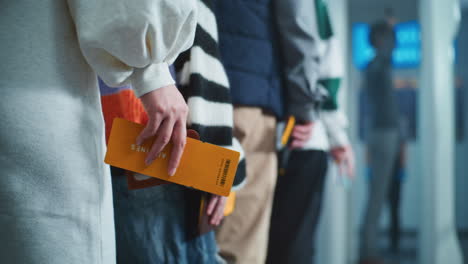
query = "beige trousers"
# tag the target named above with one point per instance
(243, 236)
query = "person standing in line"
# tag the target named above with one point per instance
(263, 44)
(158, 224)
(55, 188)
(383, 135)
(299, 190)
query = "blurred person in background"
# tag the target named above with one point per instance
(55, 188)
(263, 42)
(299, 191)
(383, 135)
(399, 168)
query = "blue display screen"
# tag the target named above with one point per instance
(407, 53)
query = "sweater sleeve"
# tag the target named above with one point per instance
(336, 124)
(133, 42)
(299, 36)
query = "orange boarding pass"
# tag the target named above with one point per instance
(288, 130)
(203, 166)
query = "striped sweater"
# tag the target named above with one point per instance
(203, 81)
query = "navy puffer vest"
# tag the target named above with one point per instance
(249, 51)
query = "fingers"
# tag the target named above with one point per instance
(346, 169)
(212, 204)
(216, 209)
(164, 134)
(345, 165)
(219, 216)
(179, 139)
(302, 132)
(222, 206)
(342, 168)
(350, 163)
(336, 157)
(304, 128)
(166, 109)
(150, 129)
(306, 131)
(170, 129)
(349, 159)
(297, 143)
(301, 135)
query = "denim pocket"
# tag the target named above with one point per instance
(147, 196)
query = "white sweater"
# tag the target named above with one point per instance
(55, 192)
(329, 132)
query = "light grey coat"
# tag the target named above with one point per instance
(55, 192)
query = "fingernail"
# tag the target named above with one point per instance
(148, 162)
(172, 172)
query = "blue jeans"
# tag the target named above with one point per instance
(153, 225)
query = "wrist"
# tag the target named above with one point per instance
(151, 78)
